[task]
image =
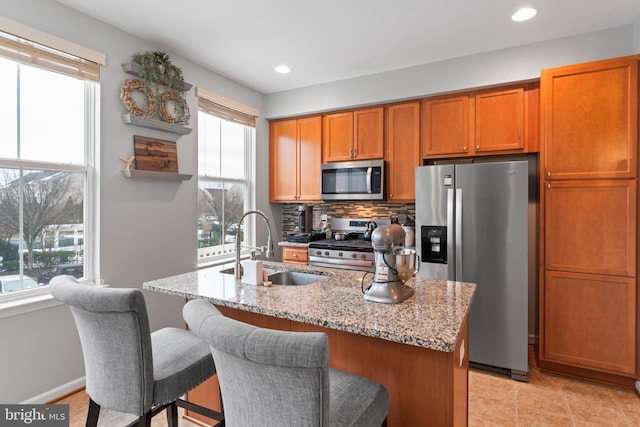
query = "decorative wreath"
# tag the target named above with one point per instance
(181, 113)
(130, 104)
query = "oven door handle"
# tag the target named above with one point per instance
(369, 169)
(334, 261)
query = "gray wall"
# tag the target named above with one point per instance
(491, 68)
(148, 227)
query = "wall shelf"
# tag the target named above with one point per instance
(130, 119)
(134, 69)
(167, 176)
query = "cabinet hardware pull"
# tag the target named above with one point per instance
(548, 185)
(549, 174)
(477, 148)
(464, 148)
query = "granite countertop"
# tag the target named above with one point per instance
(294, 244)
(432, 318)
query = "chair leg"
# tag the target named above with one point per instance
(93, 414)
(145, 420)
(384, 423)
(172, 415)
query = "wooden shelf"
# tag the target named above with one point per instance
(134, 69)
(130, 119)
(167, 176)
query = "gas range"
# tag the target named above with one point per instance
(352, 253)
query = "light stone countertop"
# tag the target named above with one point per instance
(294, 244)
(432, 318)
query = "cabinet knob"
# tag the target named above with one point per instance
(464, 148)
(295, 255)
(391, 196)
(477, 148)
(549, 174)
(548, 185)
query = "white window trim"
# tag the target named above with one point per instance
(38, 299)
(250, 204)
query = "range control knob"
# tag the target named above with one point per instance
(354, 256)
(339, 253)
(318, 253)
(326, 253)
(363, 256)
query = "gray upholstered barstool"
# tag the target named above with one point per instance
(277, 378)
(128, 368)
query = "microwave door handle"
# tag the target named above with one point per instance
(369, 170)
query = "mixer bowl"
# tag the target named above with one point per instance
(407, 263)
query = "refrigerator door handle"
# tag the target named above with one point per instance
(459, 234)
(451, 268)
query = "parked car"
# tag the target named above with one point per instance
(75, 270)
(11, 283)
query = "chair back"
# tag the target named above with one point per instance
(266, 377)
(116, 342)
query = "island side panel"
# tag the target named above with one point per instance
(426, 387)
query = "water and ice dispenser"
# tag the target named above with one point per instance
(433, 244)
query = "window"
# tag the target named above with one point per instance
(47, 105)
(226, 149)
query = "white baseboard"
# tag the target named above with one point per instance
(56, 393)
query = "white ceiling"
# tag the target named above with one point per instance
(328, 40)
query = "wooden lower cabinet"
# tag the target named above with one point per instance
(295, 255)
(426, 387)
(589, 321)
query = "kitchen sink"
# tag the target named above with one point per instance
(294, 278)
(231, 270)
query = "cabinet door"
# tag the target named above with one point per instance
(283, 161)
(368, 136)
(337, 137)
(590, 119)
(446, 127)
(403, 150)
(590, 321)
(500, 120)
(309, 158)
(590, 226)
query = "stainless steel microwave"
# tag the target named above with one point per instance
(357, 180)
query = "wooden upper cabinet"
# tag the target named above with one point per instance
(283, 163)
(309, 158)
(590, 120)
(295, 152)
(590, 226)
(500, 120)
(402, 150)
(337, 137)
(354, 135)
(368, 134)
(490, 122)
(446, 126)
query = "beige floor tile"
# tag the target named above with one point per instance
(627, 400)
(498, 412)
(530, 417)
(492, 385)
(537, 398)
(593, 409)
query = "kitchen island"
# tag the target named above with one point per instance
(416, 349)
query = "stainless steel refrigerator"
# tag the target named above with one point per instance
(472, 225)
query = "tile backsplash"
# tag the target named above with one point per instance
(351, 209)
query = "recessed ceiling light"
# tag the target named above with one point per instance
(283, 69)
(524, 14)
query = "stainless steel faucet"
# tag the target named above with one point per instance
(267, 249)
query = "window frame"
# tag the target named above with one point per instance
(14, 303)
(250, 198)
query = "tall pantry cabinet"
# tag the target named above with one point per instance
(589, 169)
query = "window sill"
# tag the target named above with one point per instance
(27, 303)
